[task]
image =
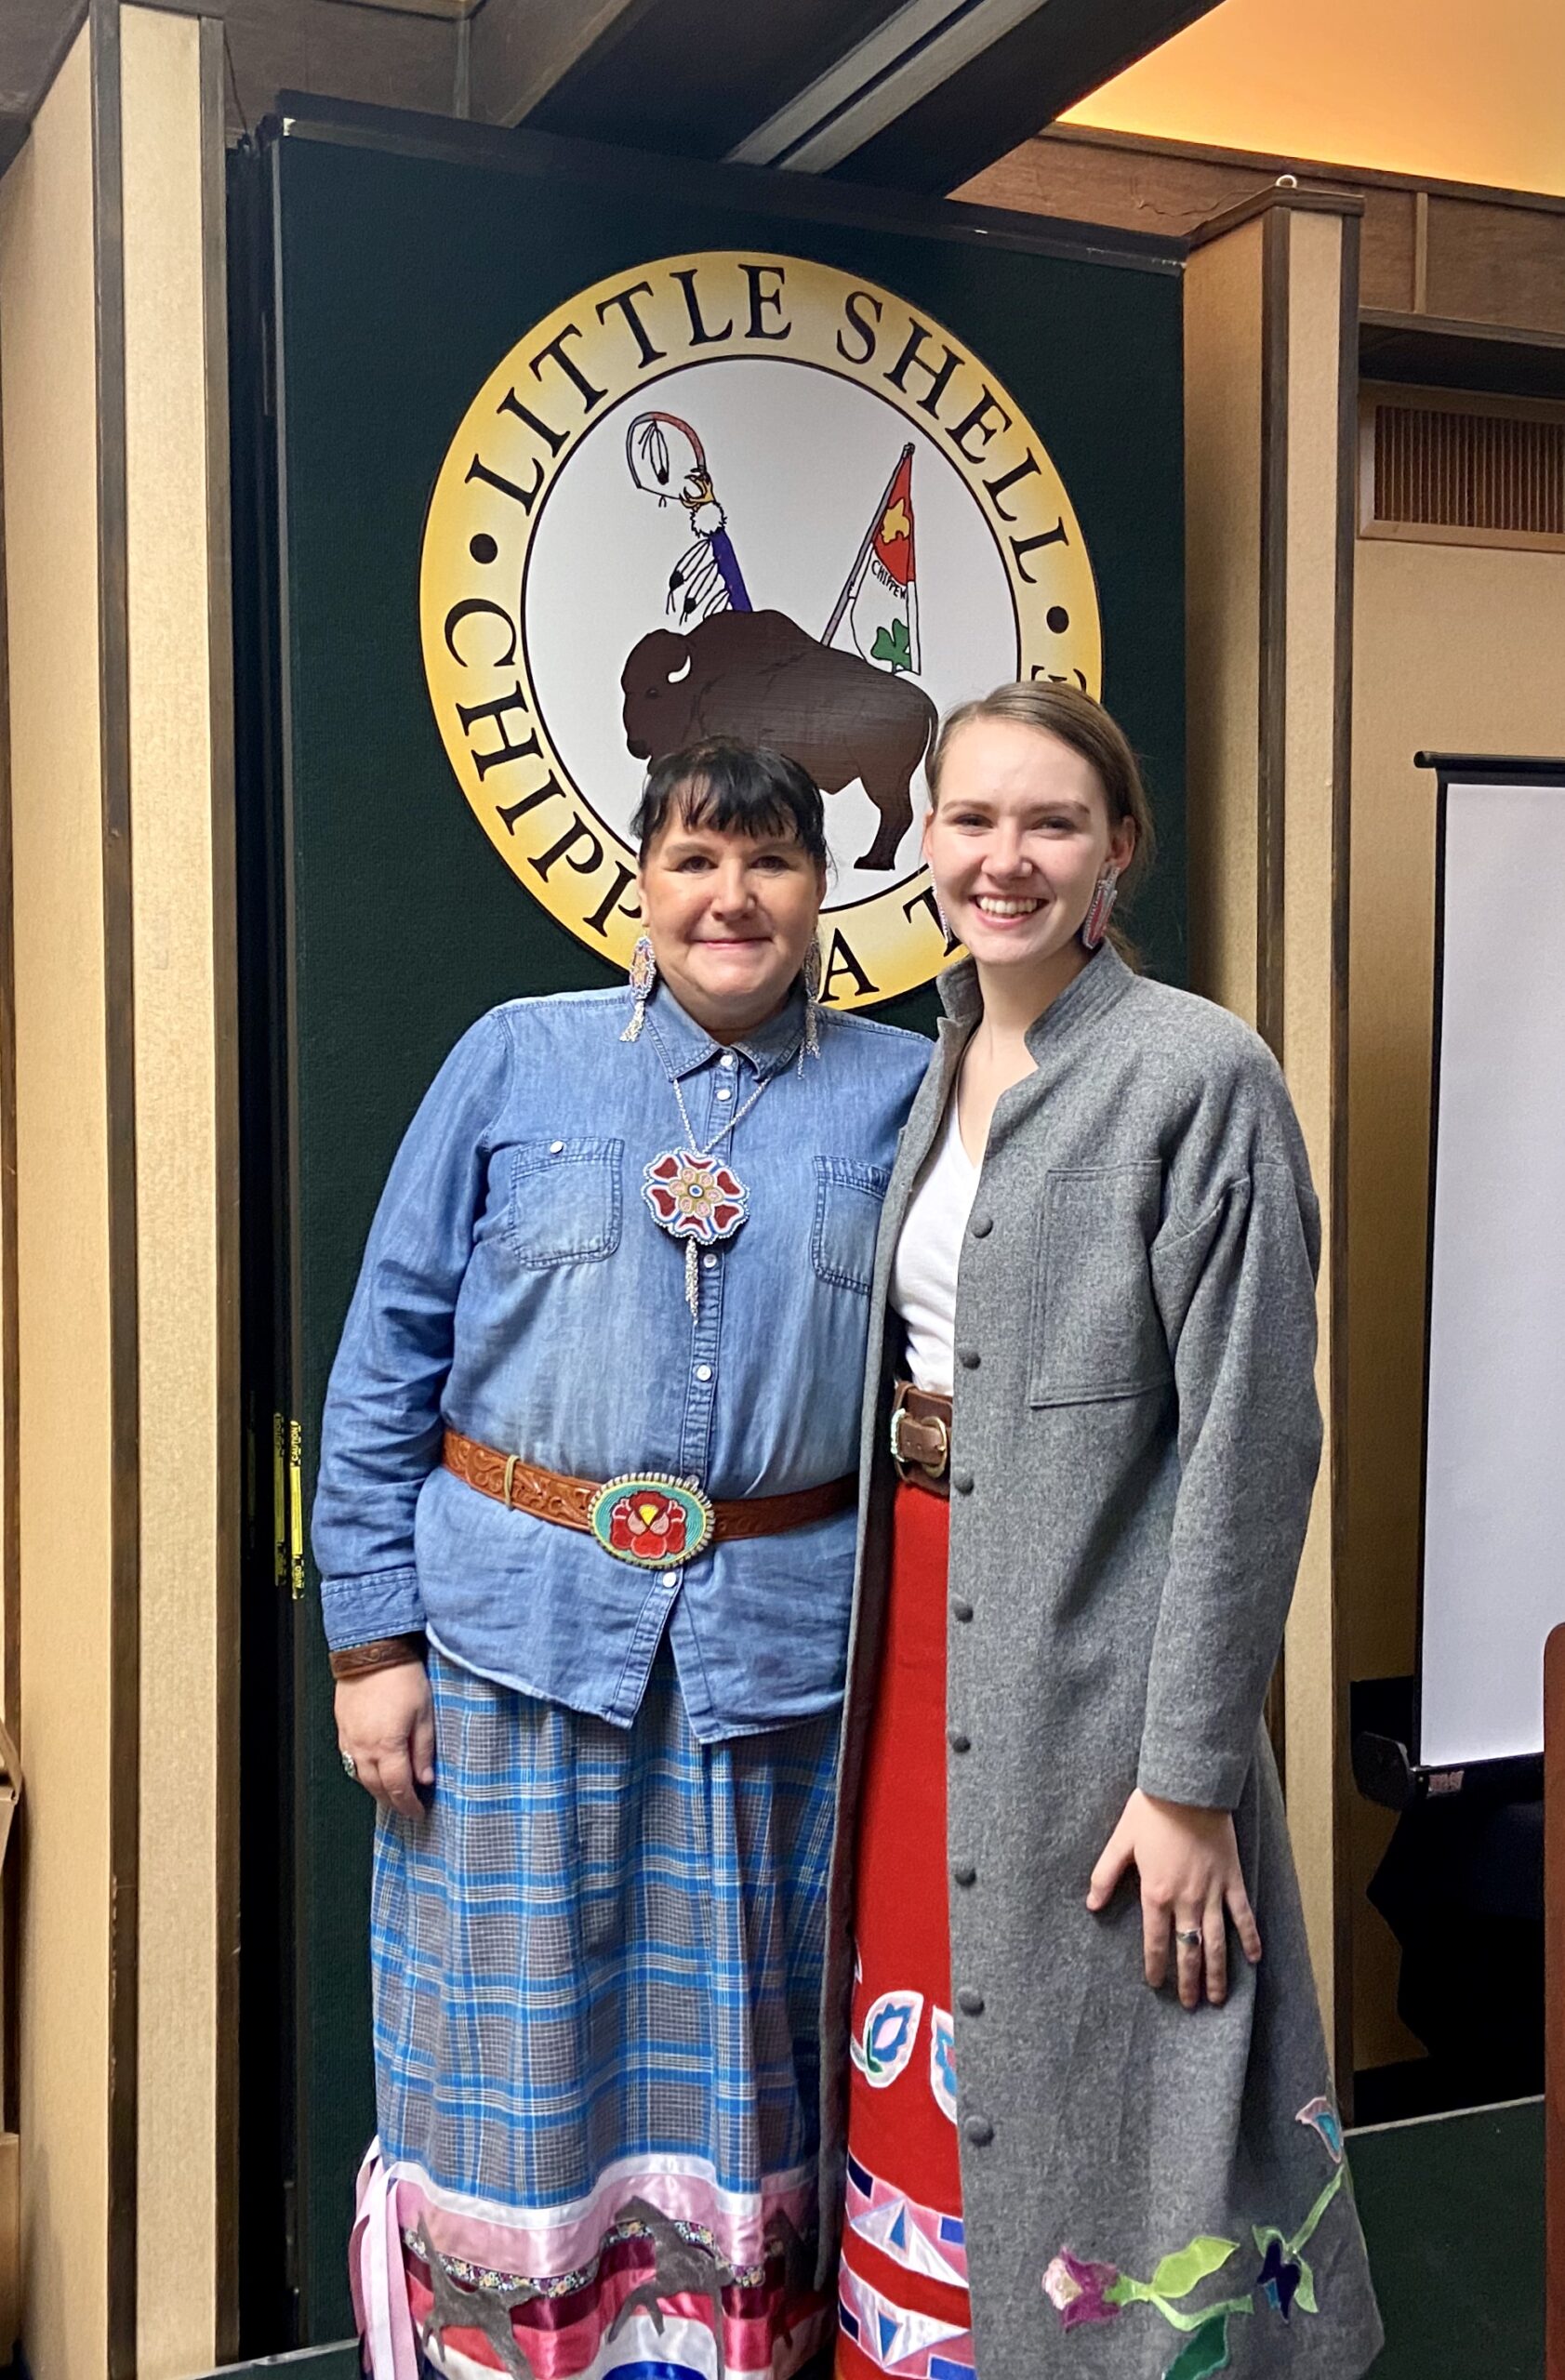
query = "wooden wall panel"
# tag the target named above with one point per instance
(389, 60)
(1223, 587)
(1119, 183)
(1497, 264)
(1160, 187)
(1491, 256)
(1387, 253)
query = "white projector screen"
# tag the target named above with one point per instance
(1494, 1580)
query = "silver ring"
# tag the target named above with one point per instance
(1189, 1936)
(349, 1766)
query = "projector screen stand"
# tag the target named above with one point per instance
(1383, 1725)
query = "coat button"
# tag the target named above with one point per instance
(979, 2131)
(962, 1481)
(981, 1226)
(961, 1608)
(971, 2002)
(968, 1358)
(958, 1741)
(965, 1872)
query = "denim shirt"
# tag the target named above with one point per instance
(517, 1289)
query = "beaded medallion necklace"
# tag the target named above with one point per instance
(696, 1195)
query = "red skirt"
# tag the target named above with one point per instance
(904, 2270)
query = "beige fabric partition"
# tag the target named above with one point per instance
(182, 809)
(1271, 317)
(49, 412)
(111, 414)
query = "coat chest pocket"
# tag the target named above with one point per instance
(1096, 1328)
(848, 1201)
(565, 1203)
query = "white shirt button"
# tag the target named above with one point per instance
(726, 1093)
(709, 1263)
(727, 1059)
(703, 1372)
(668, 1578)
(556, 1148)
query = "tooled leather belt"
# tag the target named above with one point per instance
(920, 1437)
(644, 1517)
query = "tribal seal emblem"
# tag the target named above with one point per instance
(731, 493)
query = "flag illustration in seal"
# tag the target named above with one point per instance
(882, 594)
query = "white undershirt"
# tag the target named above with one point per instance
(923, 1277)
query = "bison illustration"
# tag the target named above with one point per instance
(758, 677)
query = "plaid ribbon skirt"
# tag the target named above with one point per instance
(597, 1969)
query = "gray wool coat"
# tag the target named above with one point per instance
(1148, 2194)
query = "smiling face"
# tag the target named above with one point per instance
(1016, 841)
(731, 918)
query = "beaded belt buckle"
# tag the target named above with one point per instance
(651, 1520)
(913, 1462)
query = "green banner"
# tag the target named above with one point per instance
(581, 456)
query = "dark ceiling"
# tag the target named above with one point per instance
(910, 94)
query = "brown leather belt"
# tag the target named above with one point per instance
(644, 1517)
(920, 1437)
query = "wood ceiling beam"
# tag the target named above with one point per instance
(692, 78)
(689, 78)
(1021, 83)
(523, 48)
(910, 94)
(34, 36)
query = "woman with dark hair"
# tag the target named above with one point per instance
(584, 1524)
(1090, 1444)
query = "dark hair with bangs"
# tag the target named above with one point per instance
(735, 789)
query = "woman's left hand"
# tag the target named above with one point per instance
(1188, 1860)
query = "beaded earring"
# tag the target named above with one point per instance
(1096, 924)
(643, 974)
(814, 968)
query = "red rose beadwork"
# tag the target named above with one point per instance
(655, 1522)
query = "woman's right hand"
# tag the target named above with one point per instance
(1191, 1883)
(385, 1726)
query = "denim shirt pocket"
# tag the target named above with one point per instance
(1096, 1332)
(849, 1197)
(564, 1201)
